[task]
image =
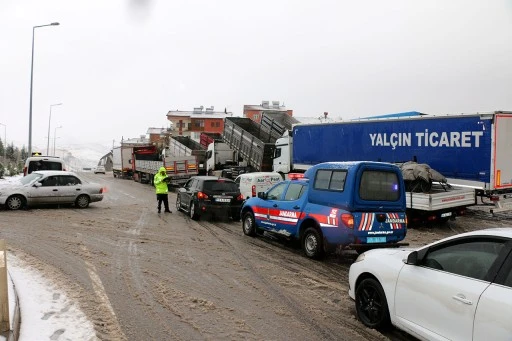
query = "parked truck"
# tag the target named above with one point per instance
(471, 150)
(206, 138)
(121, 160)
(277, 123)
(147, 162)
(250, 141)
(185, 146)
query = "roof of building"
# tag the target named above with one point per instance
(200, 113)
(192, 115)
(259, 107)
(266, 106)
(158, 131)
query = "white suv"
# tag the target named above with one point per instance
(35, 163)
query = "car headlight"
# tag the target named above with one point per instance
(360, 258)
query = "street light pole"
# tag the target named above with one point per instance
(31, 83)
(49, 121)
(5, 138)
(55, 138)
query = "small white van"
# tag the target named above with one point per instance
(251, 184)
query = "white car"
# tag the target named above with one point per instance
(99, 169)
(50, 187)
(459, 288)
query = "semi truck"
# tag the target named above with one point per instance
(185, 146)
(250, 141)
(121, 160)
(147, 161)
(471, 150)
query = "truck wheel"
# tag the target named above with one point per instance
(371, 305)
(15, 202)
(192, 211)
(249, 225)
(312, 243)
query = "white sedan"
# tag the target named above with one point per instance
(459, 288)
(49, 187)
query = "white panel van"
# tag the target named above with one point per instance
(252, 183)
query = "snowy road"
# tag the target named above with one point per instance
(138, 275)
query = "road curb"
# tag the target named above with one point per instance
(14, 333)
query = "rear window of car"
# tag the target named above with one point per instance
(220, 186)
(44, 165)
(379, 186)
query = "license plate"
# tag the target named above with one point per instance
(223, 200)
(376, 239)
(447, 214)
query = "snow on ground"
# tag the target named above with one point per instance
(46, 311)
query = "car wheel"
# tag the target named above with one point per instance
(193, 213)
(178, 203)
(249, 224)
(82, 201)
(371, 305)
(312, 243)
(15, 202)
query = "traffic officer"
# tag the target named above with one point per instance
(160, 181)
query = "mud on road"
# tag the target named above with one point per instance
(139, 275)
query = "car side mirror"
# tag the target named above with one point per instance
(262, 195)
(412, 258)
(38, 184)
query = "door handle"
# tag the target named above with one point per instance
(275, 205)
(55, 190)
(296, 207)
(462, 298)
(77, 189)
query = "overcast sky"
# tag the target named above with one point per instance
(118, 66)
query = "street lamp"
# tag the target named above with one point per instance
(49, 121)
(5, 137)
(31, 82)
(55, 138)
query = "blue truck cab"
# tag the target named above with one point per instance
(335, 204)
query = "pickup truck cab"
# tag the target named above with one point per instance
(336, 204)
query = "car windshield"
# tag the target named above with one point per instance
(30, 178)
(220, 186)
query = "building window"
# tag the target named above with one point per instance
(217, 124)
(212, 124)
(199, 123)
(256, 117)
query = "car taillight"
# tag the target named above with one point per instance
(253, 190)
(201, 195)
(347, 220)
(240, 197)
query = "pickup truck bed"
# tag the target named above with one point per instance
(440, 199)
